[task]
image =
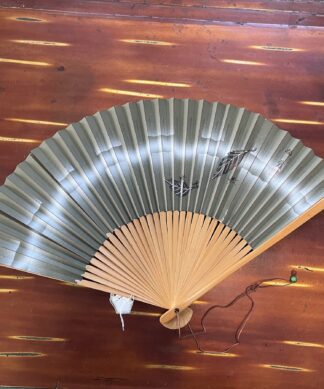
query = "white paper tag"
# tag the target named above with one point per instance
(122, 306)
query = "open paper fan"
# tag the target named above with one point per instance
(159, 199)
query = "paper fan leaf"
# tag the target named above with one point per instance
(127, 200)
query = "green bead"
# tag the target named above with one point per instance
(293, 279)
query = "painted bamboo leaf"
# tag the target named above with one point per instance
(281, 164)
(230, 161)
(180, 187)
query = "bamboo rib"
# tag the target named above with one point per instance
(97, 267)
(151, 235)
(118, 260)
(132, 249)
(123, 253)
(102, 288)
(311, 212)
(163, 258)
(198, 250)
(141, 251)
(244, 256)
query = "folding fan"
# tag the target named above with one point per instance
(159, 200)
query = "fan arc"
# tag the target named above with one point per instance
(158, 199)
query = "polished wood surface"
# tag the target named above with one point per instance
(265, 56)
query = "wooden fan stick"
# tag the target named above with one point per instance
(169, 226)
(140, 265)
(118, 264)
(125, 258)
(311, 212)
(198, 253)
(158, 230)
(151, 241)
(209, 276)
(108, 289)
(140, 289)
(214, 264)
(157, 257)
(185, 223)
(178, 230)
(169, 259)
(196, 231)
(143, 253)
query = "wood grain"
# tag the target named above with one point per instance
(96, 354)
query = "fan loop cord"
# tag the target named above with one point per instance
(264, 283)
